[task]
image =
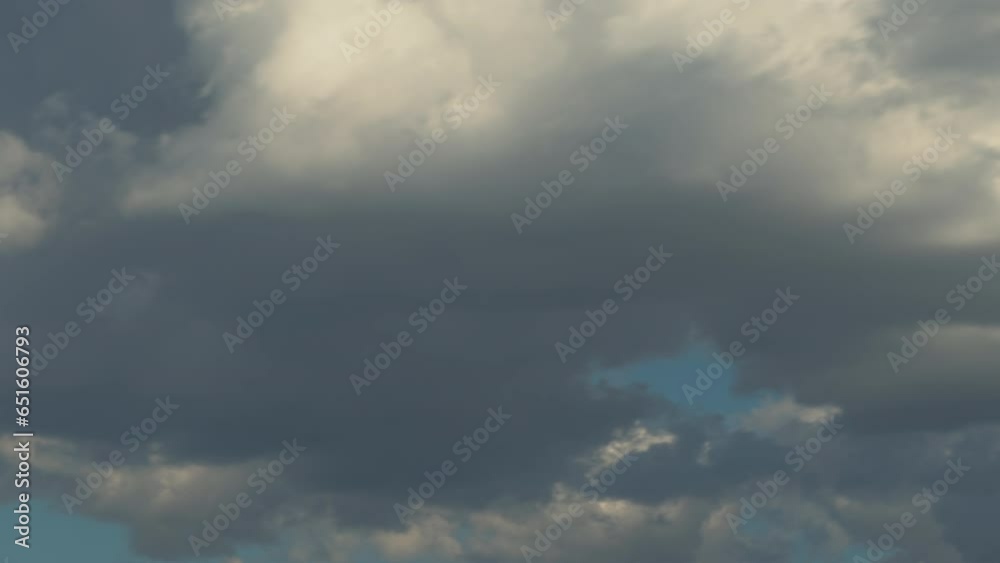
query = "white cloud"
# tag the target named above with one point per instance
(27, 193)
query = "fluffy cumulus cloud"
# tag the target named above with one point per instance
(27, 194)
(369, 225)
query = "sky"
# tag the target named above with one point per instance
(432, 281)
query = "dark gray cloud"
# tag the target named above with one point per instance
(655, 185)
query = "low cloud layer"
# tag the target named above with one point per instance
(859, 165)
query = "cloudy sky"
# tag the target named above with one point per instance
(430, 281)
